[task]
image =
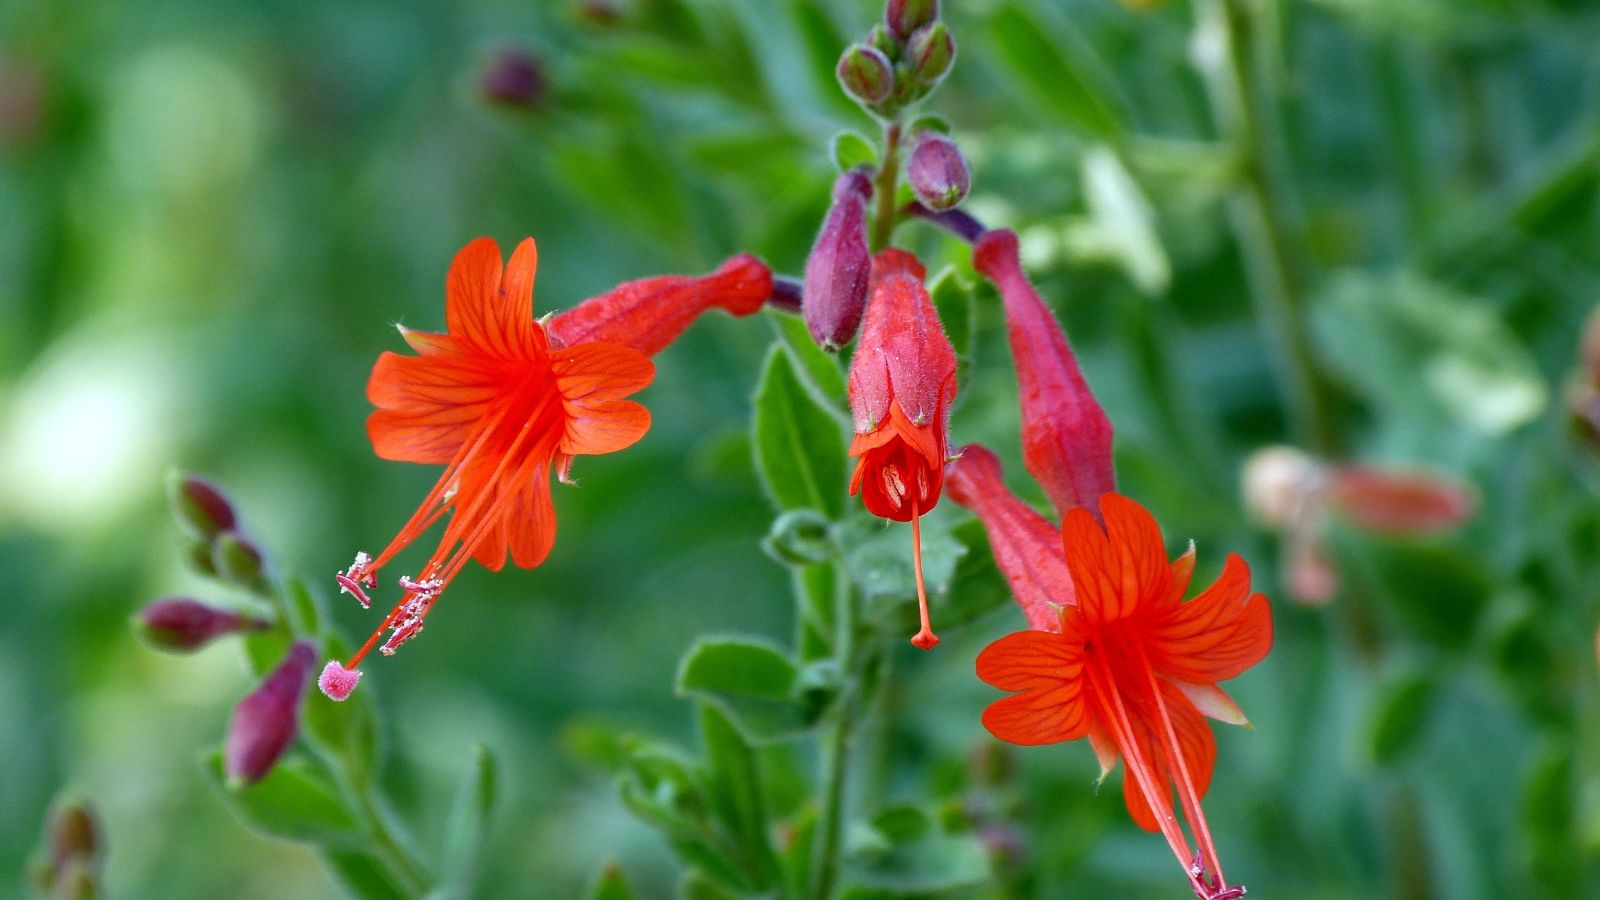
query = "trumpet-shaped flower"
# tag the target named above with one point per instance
(902, 382)
(504, 401)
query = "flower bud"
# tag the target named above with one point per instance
(183, 625)
(265, 723)
(1395, 502)
(514, 78)
(197, 554)
(199, 507)
(882, 41)
(938, 172)
(931, 52)
(1278, 483)
(834, 295)
(236, 558)
(866, 74)
(905, 16)
(799, 537)
(74, 833)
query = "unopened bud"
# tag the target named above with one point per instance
(1278, 482)
(236, 558)
(866, 74)
(834, 295)
(931, 52)
(1398, 502)
(197, 554)
(905, 16)
(199, 507)
(266, 722)
(74, 833)
(881, 40)
(799, 537)
(514, 78)
(938, 172)
(183, 624)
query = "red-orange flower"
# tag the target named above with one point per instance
(1127, 663)
(502, 403)
(902, 382)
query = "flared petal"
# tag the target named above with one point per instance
(490, 308)
(1213, 702)
(1047, 669)
(527, 528)
(1195, 740)
(592, 379)
(1217, 635)
(1026, 547)
(427, 405)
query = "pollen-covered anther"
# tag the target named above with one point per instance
(351, 580)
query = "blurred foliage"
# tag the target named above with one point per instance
(211, 213)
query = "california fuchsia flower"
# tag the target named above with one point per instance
(834, 294)
(504, 401)
(1066, 437)
(902, 382)
(266, 722)
(182, 624)
(1127, 662)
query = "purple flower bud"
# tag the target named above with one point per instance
(236, 558)
(905, 16)
(866, 74)
(930, 52)
(199, 507)
(183, 624)
(514, 78)
(265, 723)
(938, 172)
(835, 291)
(882, 41)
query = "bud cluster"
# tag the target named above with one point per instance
(901, 61)
(216, 546)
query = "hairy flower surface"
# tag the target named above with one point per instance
(902, 382)
(1125, 661)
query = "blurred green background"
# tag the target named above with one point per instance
(211, 214)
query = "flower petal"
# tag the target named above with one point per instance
(495, 318)
(1095, 568)
(1195, 741)
(1220, 633)
(1144, 574)
(1047, 669)
(592, 378)
(427, 406)
(1213, 702)
(1026, 547)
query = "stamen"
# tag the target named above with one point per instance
(893, 486)
(925, 639)
(351, 579)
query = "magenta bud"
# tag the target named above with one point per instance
(199, 507)
(183, 624)
(903, 17)
(236, 558)
(265, 723)
(938, 172)
(337, 682)
(514, 78)
(866, 74)
(834, 294)
(931, 52)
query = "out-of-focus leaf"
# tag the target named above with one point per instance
(878, 558)
(1121, 224)
(304, 612)
(467, 825)
(815, 589)
(1057, 65)
(1548, 818)
(817, 369)
(823, 43)
(610, 885)
(362, 875)
(696, 885)
(952, 299)
(905, 852)
(733, 787)
(293, 802)
(851, 150)
(1437, 592)
(752, 682)
(264, 649)
(1399, 716)
(799, 445)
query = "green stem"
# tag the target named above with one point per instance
(1234, 79)
(388, 848)
(836, 758)
(885, 187)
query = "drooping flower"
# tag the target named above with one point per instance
(1066, 437)
(1116, 655)
(902, 382)
(504, 401)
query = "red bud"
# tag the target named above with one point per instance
(650, 313)
(834, 295)
(1399, 502)
(266, 722)
(938, 172)
(183, 624)
(905, 16)
(866, 74)
(514, 78)
(199, 507)
(1066, 437)
(237, 558)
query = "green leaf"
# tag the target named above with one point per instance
(952, 299)
(851, 150)
(879, 559)
(799, 446)
(362, 875)
(819, 370)
(304, 613)
(1121, 227)
(263, 650)
(1400, 716)
(467, 825)
(293, 802)
(1437, 592)
(609, 884)
(1056, 65)
(753, 683)
(816, 591)
(733, 787)
(696, 885)
(907, 852)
